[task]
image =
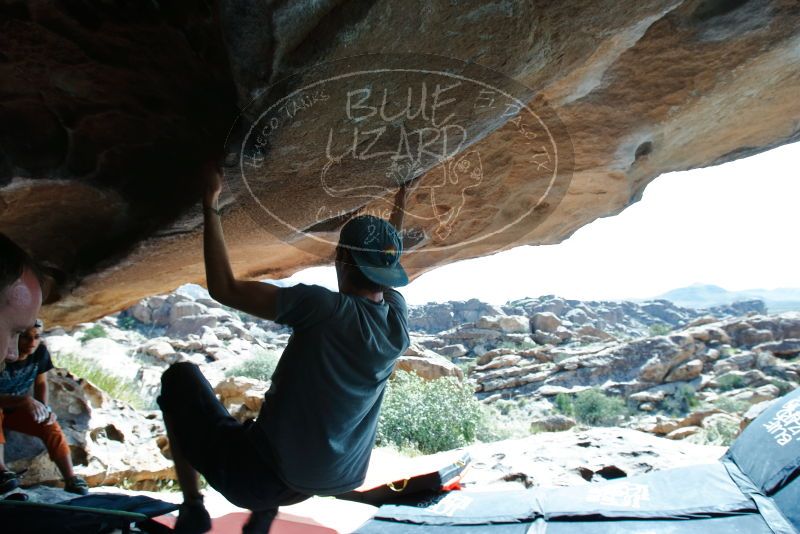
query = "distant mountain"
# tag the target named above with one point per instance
(706, 295)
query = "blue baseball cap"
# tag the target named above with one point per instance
(375, 247)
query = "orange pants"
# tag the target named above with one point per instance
(23, 421)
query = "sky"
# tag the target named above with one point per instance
(734, 225)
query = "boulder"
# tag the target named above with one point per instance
(577, 316)
(452, 351)
(508, 360)
(161, 349)
(510, 378)
(429, 368)
(589, 331)
(721, 419)
(789, 325)
(739, 379)
(159, 309)
(545, 338)
(238, 331)
(141, 312)
(546, 322)
(489, 355)
(505, 323)
(696, 418)
(240, 391)
(658, 425)
(749, 337)
(666, 355)
(709, 333)
(148, 380)
(686, 371)
(186, 309)
(191, 324)
(753, 412)
(223, 332)
(416, 350)
(208, 339)
(684, 432)
(552, 423)
(757, 395)
(648, 396)
(209, 303)
(191, 343)
(787, 348)
(223, 315)
(742, 361)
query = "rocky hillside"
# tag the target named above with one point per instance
(672, 366)
(618, 318)
(679, 372)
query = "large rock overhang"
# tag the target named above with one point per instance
(108, 113)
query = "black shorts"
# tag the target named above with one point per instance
(217, 445)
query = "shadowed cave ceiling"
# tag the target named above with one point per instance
(515, 123)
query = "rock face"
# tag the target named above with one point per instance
(111, 443)
(682, 372)
(721, 355)
(571, 458)
(107, 112)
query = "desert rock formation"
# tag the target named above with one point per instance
(108, 111)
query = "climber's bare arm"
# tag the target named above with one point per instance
(255, 298)
(40, 388)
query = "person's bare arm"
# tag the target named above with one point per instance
(40, 388)
(40, 394)
(255, 298)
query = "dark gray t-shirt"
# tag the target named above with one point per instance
(18, 377)
(320, 415)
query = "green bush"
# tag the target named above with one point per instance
(93, 332)
(505, 406)
(659, 329)
(784, 386)
(719, 432)
(682, 401)
(729, 382)
(117, 387)
(563, 404)
(467, 366)
(260, 366)
(592, 407)
(429, 416)
(729, 405)
(127, 322)
(501, 422)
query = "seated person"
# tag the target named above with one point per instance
(30, 414)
